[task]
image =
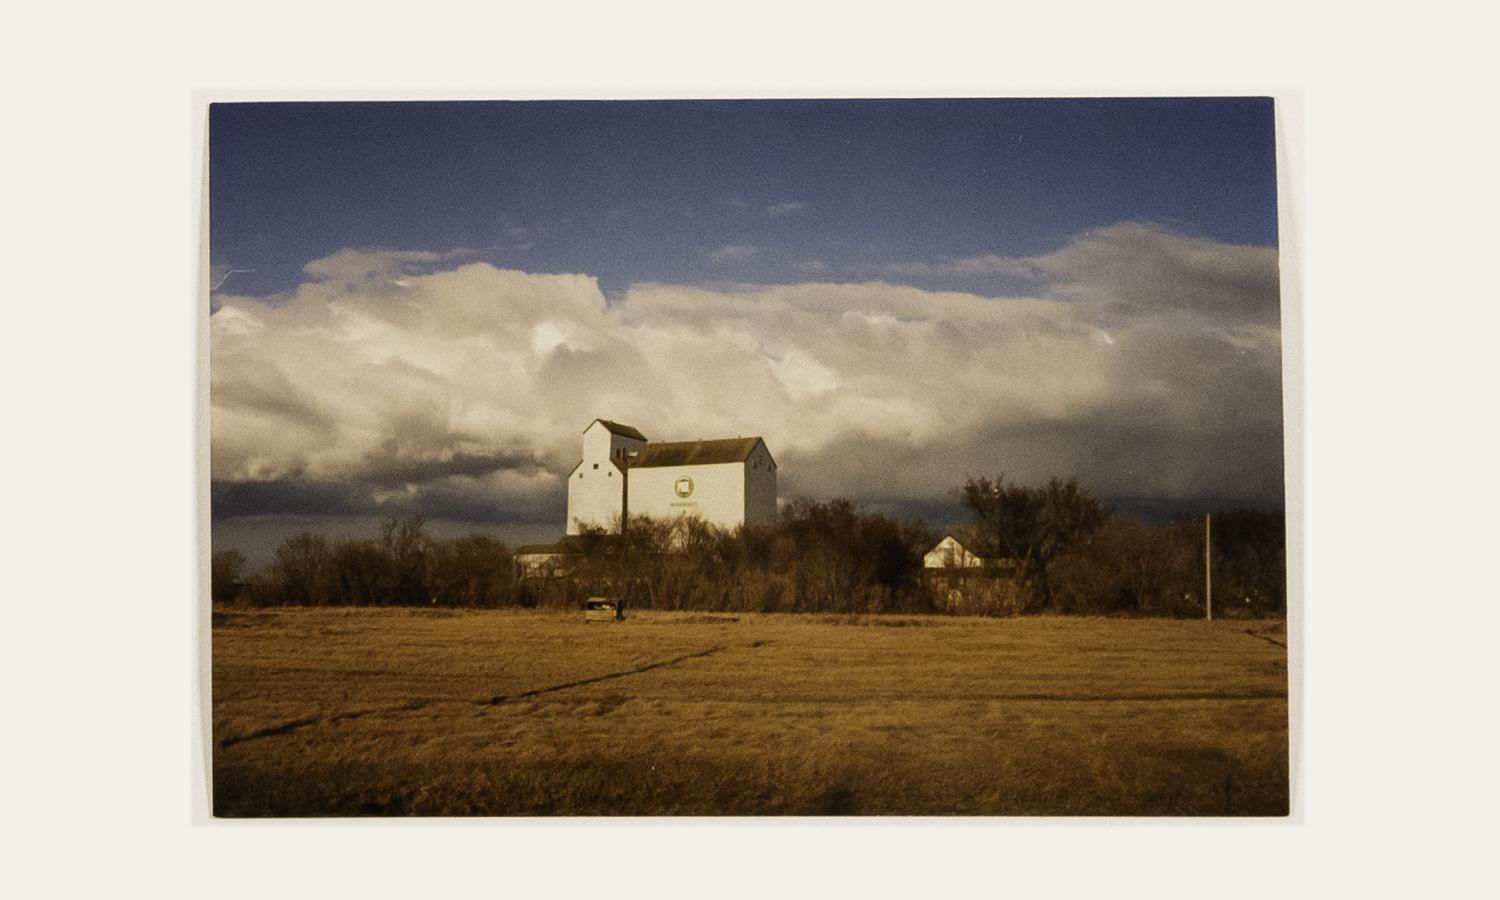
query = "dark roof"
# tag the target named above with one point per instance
(533, 549)
(695, 453)
(570, 544)
(970, 550)
(617, 428)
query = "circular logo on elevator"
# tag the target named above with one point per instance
(684, 487)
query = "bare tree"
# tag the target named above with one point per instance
(1127, 566)
(359, 572)
(1031, 525)
(472, 571)
(408, 553)
(301, 572)
(227, 575)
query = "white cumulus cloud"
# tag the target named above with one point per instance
(1148, 364)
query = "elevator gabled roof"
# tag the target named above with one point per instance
(695, 453)
(617, 428)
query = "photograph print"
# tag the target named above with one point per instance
(746, 458)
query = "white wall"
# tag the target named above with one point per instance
(726, 494)
(950, 554)
(599, 444)
(595, 495)
(718, 494)
(596, 489)
(760, 487)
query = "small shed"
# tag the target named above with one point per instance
(603, 609)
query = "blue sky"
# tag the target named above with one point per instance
(701, 192)
(895, 294)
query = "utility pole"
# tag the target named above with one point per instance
(1208, 566)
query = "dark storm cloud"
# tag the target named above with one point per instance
(233, 499)
(387, 469)
(266, 392)
(445, 500)
(1116, 453)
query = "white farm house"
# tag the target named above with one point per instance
(951, 554)
(728, 482)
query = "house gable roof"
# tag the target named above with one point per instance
(568, 545)
(1000, 561)
(957, 542)
(695, 453)
(540, 549)
(617, 428)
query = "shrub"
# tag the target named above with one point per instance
(226, 575)
(1128, 567)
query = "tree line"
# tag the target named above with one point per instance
(1053, 547)
(403, 566)
(1072, 554)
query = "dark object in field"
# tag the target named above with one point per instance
(603, 609)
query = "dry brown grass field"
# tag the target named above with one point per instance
(509, 712)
